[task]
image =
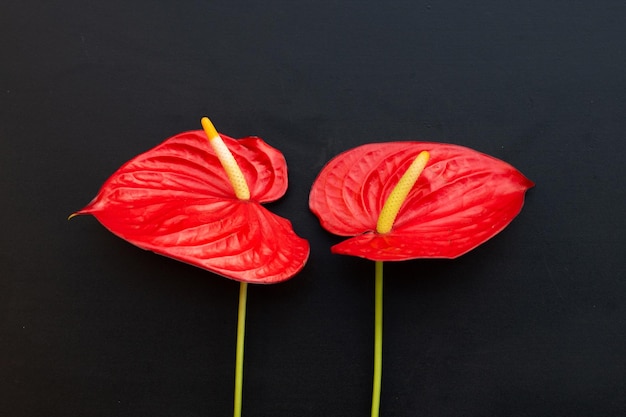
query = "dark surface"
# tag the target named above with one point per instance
(532, 323)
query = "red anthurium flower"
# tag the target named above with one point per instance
(181, 200)
(407, 200)
(461, 199)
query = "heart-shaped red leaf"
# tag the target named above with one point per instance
(176, 200)
(461, 199)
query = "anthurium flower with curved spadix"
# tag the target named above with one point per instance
(408, 200)
(461, 199)
(198, 200)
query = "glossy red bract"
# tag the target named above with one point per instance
(176, 200)
(462, 198)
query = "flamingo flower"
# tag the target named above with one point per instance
(199, 201)
(197, 198)
(407, 200)
(461, 199)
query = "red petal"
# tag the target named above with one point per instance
(462, 199)
(176, 200)
(186, 164)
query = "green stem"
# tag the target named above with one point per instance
(241, 332)
(378, 338)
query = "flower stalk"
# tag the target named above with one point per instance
(378, 338)
(241, 331)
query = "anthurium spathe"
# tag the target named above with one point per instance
(179, 200)
(461, 199)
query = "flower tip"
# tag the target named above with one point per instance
(208, 127)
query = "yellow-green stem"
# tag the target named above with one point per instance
(241, 331)
(378, 338)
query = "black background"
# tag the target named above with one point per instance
(532, 323)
